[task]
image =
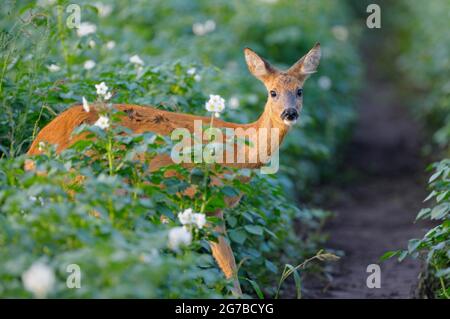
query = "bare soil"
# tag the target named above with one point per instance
(376, 207)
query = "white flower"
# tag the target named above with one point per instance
(41, 146)
(179, 236)
(110, 45)
(101, 88)
(188, 217)
(35, 199)
(324, 82)
(135, 59)
(210, 26)
(197, 77)
(39, 279)
(89, 64)
(340, 32)
(91, 44)
(199, 220)
(185, 217)
(191, 71)
(53, 68)
(86, 107)
(198, 29)
(203, 28)
(215, 104)
(234, 102)
(102, 122)
(86, 28)
(104, 10)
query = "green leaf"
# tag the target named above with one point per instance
(271, 266)
(237, 236)
(27, 7)
(440, 211)
(229, 191)
(389, 255)
(443, 272)
(297, 280)
(413, 244)
(232, 221)
(402, 255)
(434, 176)
(253, 229)
(431, 195)
(197, 176)
(441, 196)
(423, 213)
(255, 286)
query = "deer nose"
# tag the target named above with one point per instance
(290, 114)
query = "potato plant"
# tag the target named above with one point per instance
(104, 213)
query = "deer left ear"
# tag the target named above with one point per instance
(307, 64)
(257, 66)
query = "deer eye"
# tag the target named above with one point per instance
(273, 93)
(299, 92)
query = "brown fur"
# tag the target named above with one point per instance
(144, 119)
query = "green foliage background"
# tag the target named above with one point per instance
(123, 253)
(422, 48)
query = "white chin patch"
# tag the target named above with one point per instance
(289, 123)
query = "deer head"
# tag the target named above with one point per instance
(285, 88)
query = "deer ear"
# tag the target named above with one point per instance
(257, 66)
(307, 64)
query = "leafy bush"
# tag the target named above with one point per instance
(111, 224)
(423, 52)
(161, 32)
(118, 240)
(423, 59)
(436, 242)
(113, 219)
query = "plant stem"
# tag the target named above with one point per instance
(212, 120)
(205, 191)
(442, 283)
(110, 156)
(287, 273)
(61, 36)
(206, 176)
(444, 290)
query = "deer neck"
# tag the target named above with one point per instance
(270, 130)
(270, 121)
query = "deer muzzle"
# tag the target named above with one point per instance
(289, 115)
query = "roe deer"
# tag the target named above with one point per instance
(284, 102)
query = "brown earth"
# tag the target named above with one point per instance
(376, 208)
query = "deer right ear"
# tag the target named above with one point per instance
(257, 66)
(307, 64)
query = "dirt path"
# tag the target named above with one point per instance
(375, 209)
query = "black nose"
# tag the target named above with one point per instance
(289, 114)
